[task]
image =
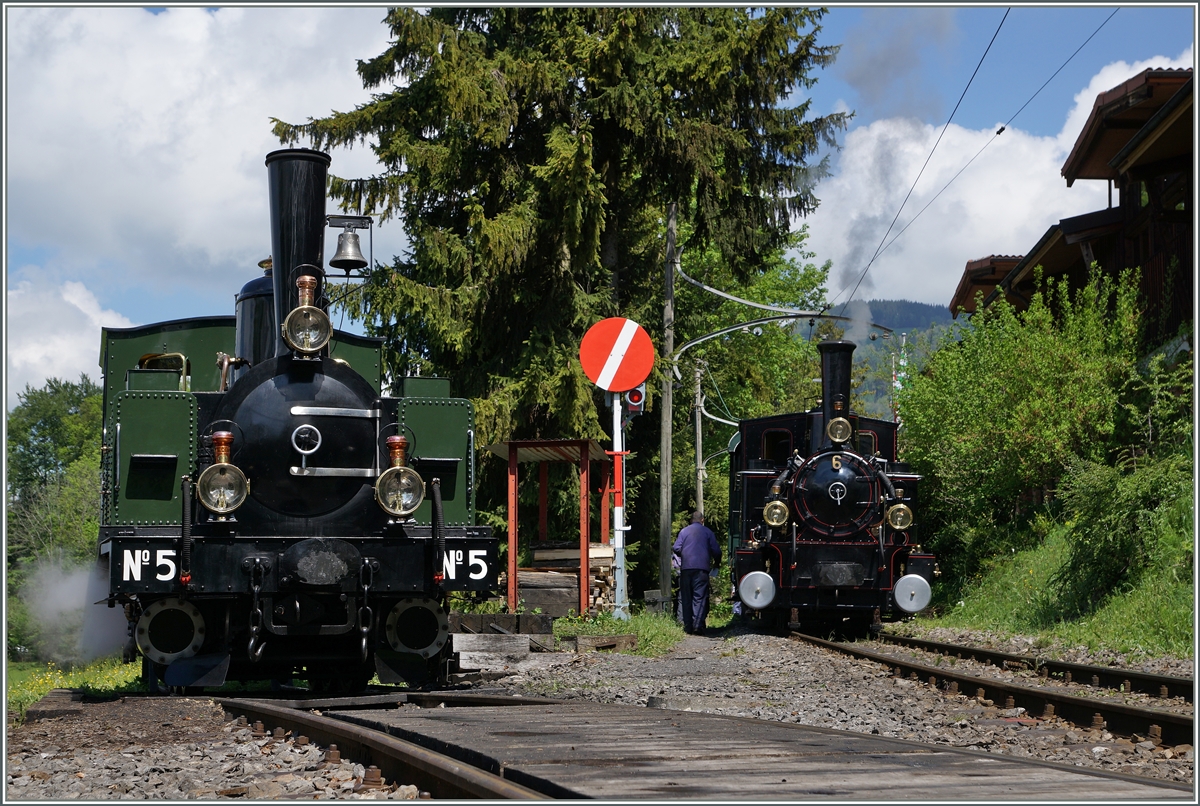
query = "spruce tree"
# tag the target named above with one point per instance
(530, 154)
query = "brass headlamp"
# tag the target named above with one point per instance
(307, 329)
(899, 517)
(222, 487)
(399, 489)
(839, 429)
(775, 513)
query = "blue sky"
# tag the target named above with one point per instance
(135, 189)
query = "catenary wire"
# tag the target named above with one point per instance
(713, 380)
(922, 171)
(999, 132)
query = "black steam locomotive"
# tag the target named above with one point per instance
(272, 514)
(822, 516)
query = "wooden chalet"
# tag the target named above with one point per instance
(1139, 138)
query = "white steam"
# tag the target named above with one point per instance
(70, 627)
(858, 329)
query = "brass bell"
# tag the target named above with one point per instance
(349, 256)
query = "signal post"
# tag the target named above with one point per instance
(617, 355)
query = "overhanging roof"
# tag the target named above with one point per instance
(1168, 134)
(1115, 117)
(1050, 244)
(549, 450)
(984, 275)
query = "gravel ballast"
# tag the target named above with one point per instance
(171, 749)
(178, 749)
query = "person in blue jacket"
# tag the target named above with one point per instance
(697, 550)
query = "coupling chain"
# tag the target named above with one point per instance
(257, 645)
(366, 617)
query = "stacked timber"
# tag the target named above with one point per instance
(562, 560)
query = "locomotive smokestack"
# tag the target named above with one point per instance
(836, 358)
(296, 186)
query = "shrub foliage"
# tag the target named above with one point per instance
(1046, 413)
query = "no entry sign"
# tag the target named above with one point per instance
(616, 354)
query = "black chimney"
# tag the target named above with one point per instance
(296, 186)
(836, 358)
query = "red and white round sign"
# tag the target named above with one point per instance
(616, 354)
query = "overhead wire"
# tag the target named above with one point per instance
(999, 132)
(967, 164)
(724, 407)
(879, 248)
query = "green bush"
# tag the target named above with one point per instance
(998, 414)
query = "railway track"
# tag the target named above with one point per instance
(1157, 725)
(467, 745)
(1123, 680)
(394, 758)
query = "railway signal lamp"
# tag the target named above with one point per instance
(635, 399)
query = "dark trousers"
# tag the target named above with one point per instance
(693, 595)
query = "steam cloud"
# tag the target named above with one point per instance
(885, 58)
(71, 628)
(860, 326)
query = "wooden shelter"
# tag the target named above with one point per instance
(581, 452)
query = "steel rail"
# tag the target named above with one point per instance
(1158, 685)
(396, 758)
(1120, 719)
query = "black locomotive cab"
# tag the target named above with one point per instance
(273, 514)
(822, 524)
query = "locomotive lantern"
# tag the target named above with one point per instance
(315, 553)
(821, 514)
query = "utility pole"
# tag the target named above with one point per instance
(666, 413)
(699, 404)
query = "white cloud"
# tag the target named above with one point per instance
(53, 332)
(134, 159)
(1002, 204)
(145, 134)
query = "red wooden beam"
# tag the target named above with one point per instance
(605, 503)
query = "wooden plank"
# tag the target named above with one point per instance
(546, 579)
(616, 643)
(535, 623)
(628, 752)
(491, 662)
(495, 643)
(507, 621)
(595, 551)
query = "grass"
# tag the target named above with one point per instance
(1153, 616)
(29, 682)
(657, 632)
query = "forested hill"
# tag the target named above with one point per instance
(875, 361)
(903, 315)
